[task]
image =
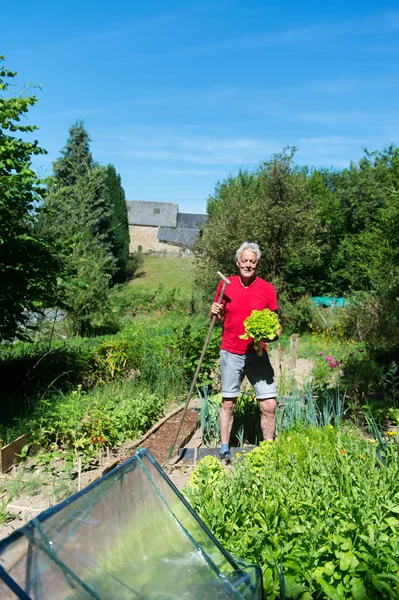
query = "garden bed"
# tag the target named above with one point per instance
(36, 486)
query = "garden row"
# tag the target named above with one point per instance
(82, 394)
(318, 510)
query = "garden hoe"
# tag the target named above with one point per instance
(226, 282)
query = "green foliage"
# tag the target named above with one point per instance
(28, 267)
(76, 158)
(274, 207)
(5, 515)
(186, 348)
(118, 224)
(134, 263)
(314, 502)
(75, 218)
(82, 422)
(38, 371)
(299, 316)
(141, 353)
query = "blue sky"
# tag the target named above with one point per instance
(178, 95)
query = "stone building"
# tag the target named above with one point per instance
(160, 227)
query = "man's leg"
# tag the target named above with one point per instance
(268, 418)
(261, 375)
(232, 372)
(226, 418)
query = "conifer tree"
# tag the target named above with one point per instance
(118, 222)
(75, 157)
(76, 218)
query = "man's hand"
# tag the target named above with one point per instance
(276, 337)
(217, 310)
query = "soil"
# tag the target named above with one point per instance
(160, 442)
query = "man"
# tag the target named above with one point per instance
(238, 357)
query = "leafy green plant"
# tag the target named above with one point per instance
(314, 502)
(5, 515)
(187, 345)
(111, 359)
(390, 379)
(209, 417)
(82, 422)
(393, 414)
(261, 325)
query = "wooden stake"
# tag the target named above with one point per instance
(293, 352)
(100, 458)
(79, 473)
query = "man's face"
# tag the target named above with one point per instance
(247, 264)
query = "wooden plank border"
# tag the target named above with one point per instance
(9, 453)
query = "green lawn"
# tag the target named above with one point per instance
(170, 272)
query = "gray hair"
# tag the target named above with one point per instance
(251, 247)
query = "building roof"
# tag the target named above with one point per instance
(179, 236)
(191, 221)
(156, 214)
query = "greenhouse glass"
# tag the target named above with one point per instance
(129, 535)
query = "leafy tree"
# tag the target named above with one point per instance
(118, 222)
(274, 207)
(363, 193)
(27, 266)
(377, 252)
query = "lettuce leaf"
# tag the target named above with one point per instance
(261, 325)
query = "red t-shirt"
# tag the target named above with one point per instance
(239, 301)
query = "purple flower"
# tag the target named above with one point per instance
(320, 353)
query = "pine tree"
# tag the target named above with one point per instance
(76, 156)
(76, 218)
(118, 222)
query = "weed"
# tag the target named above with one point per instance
(5, 515)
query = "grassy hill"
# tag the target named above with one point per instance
(169, 272)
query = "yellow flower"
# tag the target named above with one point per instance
(331, 426)
(373, 441)
(392, 432)
(307, 440)
(343, 452)
(361, 456)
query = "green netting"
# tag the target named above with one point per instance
(130, 535)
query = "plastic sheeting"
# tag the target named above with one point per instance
(130, 535)
(326, 301)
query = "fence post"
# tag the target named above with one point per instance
(293, 353)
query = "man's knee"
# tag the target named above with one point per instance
(228, 405)
(268, 406)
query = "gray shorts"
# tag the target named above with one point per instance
(257, 368)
